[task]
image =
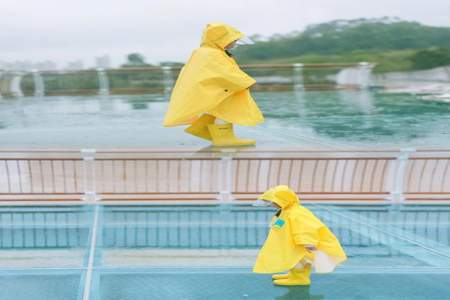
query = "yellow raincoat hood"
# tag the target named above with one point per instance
(212, 82)
(220, 35)
(281, 195)
(295, 227)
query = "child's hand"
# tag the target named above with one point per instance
(310, 247)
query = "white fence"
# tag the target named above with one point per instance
(396, 176)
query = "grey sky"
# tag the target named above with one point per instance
(63, 30)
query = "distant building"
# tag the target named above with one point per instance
(46, 65)
(21, 65)
(103, 62)
(28, 66)
(74, 65)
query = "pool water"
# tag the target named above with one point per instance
(329, 119)
(206, 252)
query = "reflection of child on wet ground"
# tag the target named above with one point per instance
(297, 242)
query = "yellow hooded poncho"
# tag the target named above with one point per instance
(295, 227)
(212, 82)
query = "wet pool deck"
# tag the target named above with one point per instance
(393, 254)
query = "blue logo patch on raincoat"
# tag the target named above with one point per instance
(278, 223)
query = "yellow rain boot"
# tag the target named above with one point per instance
(223, 136)
(309, 256)
(199, 127)
(296, 277)
(280, 276)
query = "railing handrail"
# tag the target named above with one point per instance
(221, 149)
(196, 153)
(178, 67)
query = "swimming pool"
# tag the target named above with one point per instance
(205, 252)
(326, 119)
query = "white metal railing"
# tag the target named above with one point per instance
(317, 175)
(103, 82)
(351, 74)
(39, 86)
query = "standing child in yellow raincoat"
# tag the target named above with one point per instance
(212, 92)
(297, 241)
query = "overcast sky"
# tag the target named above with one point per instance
(162, 30)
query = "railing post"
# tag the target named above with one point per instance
(298, 77)
(15, 88)
(398, 175)
(1, 73)
(365, 70)
(226, 177)
(88, 156)
(167, 78)
(39, 86)
(103, 82)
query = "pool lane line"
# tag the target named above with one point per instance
(445, 253)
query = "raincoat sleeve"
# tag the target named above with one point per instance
(224, 72)
(305, 230)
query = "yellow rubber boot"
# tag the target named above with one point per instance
(280, 276)
(223, 136)
(296, 277)
(199, 127)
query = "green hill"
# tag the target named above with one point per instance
(391, 43)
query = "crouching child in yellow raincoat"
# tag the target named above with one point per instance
(212, 93)
(297, 242)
